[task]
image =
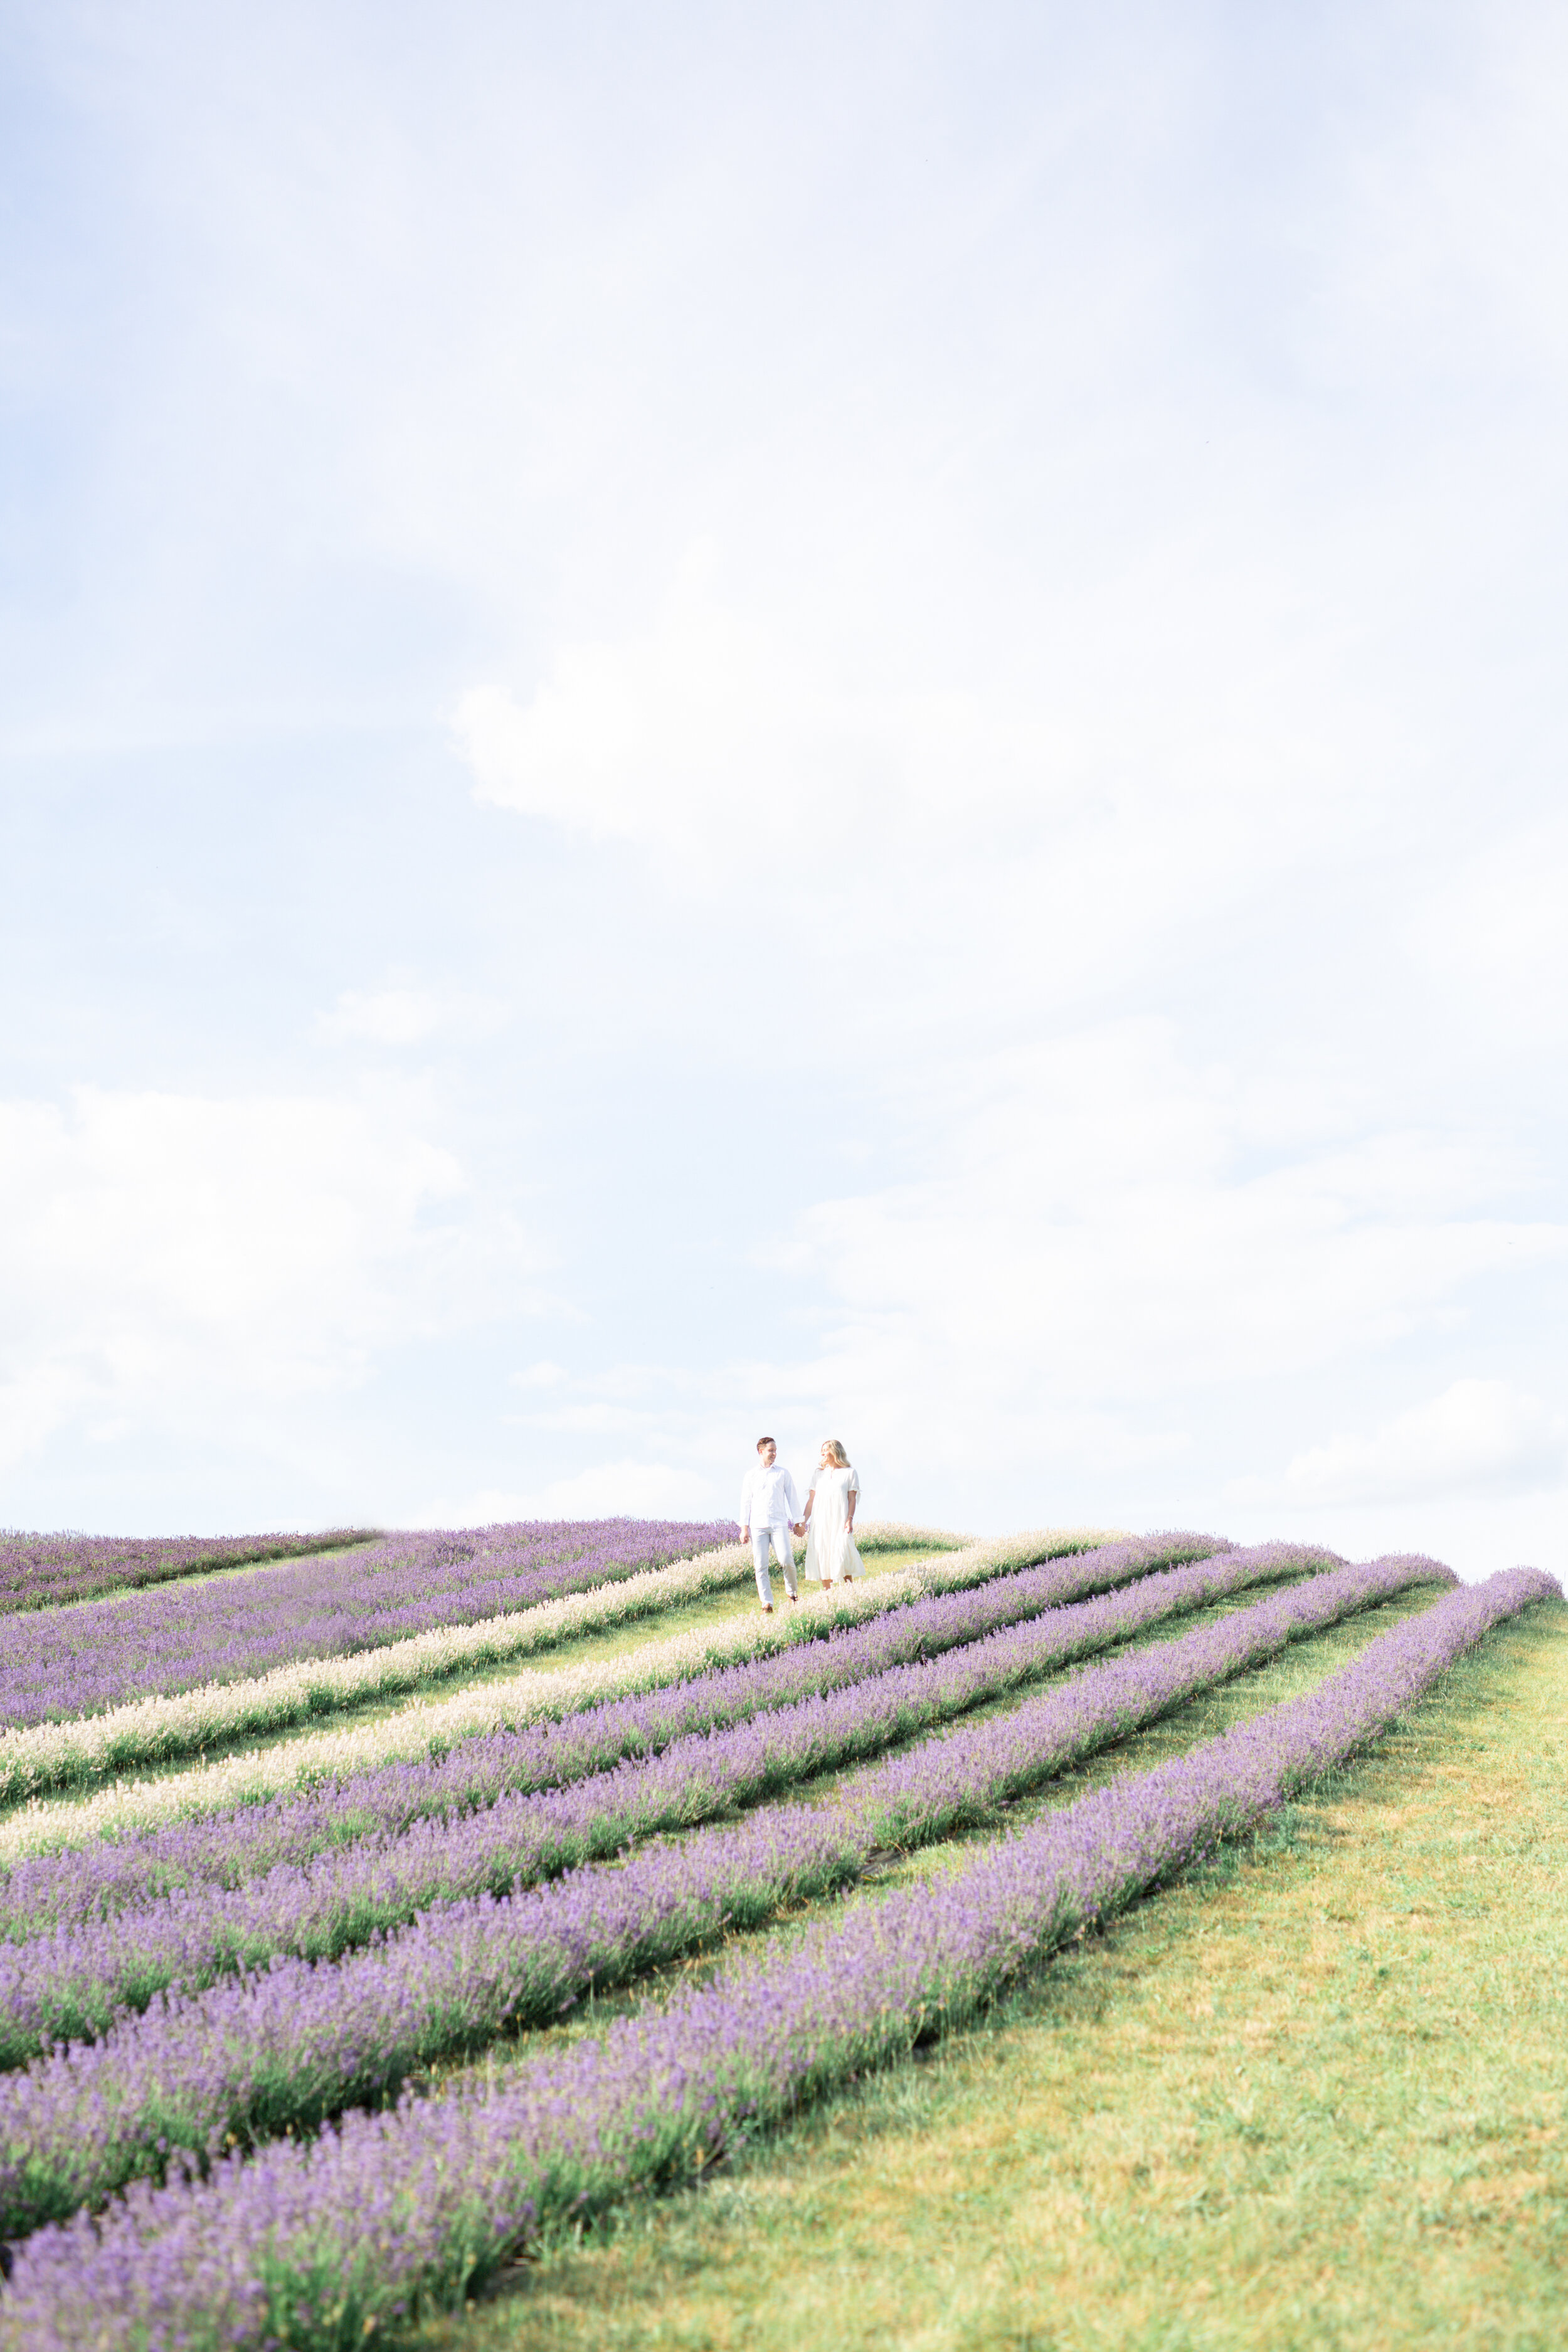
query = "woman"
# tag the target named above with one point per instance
(829, 1520)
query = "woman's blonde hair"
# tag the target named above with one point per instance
(835, 1452)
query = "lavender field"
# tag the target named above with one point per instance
(38, 1571)
(430, 1984)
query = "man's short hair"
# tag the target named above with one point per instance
(766, 1441)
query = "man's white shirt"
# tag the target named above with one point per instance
(768, 1498)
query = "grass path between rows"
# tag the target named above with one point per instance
(1314, 2097)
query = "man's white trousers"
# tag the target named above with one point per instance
(783, 1552)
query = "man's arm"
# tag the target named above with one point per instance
(748, 1487)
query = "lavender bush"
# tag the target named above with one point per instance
(81, 1659)
(762, 1729)
(295, 2041)
(224, 1850)
(38, 1570)
(318, 2243)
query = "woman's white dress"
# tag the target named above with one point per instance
(830, 1551)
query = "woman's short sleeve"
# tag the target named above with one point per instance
(854, 1486)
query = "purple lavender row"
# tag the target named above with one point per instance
(299, 2039)
(38, 1570)
(57, 1664)
(317, 2243)
(73, 1981)
(224, 1849)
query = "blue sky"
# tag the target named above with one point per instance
(836, 719)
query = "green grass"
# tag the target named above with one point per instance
(1315, 2095)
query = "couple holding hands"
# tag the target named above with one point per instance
(771, 1515)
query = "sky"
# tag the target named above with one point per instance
(826, 719)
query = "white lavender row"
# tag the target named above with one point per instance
(163, 1727)
(422, 1725)
(57, 1664)
(756, 1738)
(154, 1730)
(317, 2243)
(297, 2040)
(56, 1890)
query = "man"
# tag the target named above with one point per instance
(769, 1509)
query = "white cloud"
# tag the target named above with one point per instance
(166, 1260)
(408, 1015)
(608, 1490)
(1096, 1252)
(1492, 930)
(390, 1016)
(711, 729)
(1108, 1242)
(1479, 1437)
(735, 717)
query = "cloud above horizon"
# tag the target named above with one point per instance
(169, 1262)
(1478, 1436)
(862, 712)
